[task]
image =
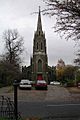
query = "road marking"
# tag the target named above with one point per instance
(62, 105)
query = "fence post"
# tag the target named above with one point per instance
(15, 84)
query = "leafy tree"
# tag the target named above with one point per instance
(69, 75)
(78, 75)
(66, 74)
(60, 74)
(69, 72)
(68, 16)
(9, 72)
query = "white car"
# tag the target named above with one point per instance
(54, 83)
(25, 84)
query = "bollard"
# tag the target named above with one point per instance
(15, 84)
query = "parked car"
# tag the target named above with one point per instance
(78, 84)
(54, 83)
(25, 84)
(41, 84)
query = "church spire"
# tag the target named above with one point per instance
(39, 24)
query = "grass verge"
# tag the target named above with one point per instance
(74, 90)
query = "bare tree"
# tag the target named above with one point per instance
(14, 45)
(10, 61)
(68, 16)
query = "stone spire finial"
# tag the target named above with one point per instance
(39, 24)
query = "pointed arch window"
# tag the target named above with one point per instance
(39, 65)
(39, 32)
(41, 46)
(37, 45)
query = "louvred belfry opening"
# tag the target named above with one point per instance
(39, 77)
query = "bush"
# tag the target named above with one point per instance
(1, 85)
(70, 83)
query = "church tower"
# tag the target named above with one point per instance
(39, 59)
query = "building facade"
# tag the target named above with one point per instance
(39, 59)
(38, 69)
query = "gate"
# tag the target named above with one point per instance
(7, 109)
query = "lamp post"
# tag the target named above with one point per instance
(15, 84)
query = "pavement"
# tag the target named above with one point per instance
(56, 94)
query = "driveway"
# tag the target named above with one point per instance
(56, 94)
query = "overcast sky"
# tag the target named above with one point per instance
(16, 14)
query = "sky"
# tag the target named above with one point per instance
(18, 14)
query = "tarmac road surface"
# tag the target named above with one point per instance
(50, 111)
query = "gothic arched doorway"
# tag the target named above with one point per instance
(39, 76)
(39, 65)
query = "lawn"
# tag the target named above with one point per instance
(74, 90)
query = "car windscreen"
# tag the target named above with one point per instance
(41, 81)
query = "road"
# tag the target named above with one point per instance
(50, 111)
(56, 103)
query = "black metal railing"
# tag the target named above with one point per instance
(7, 109)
